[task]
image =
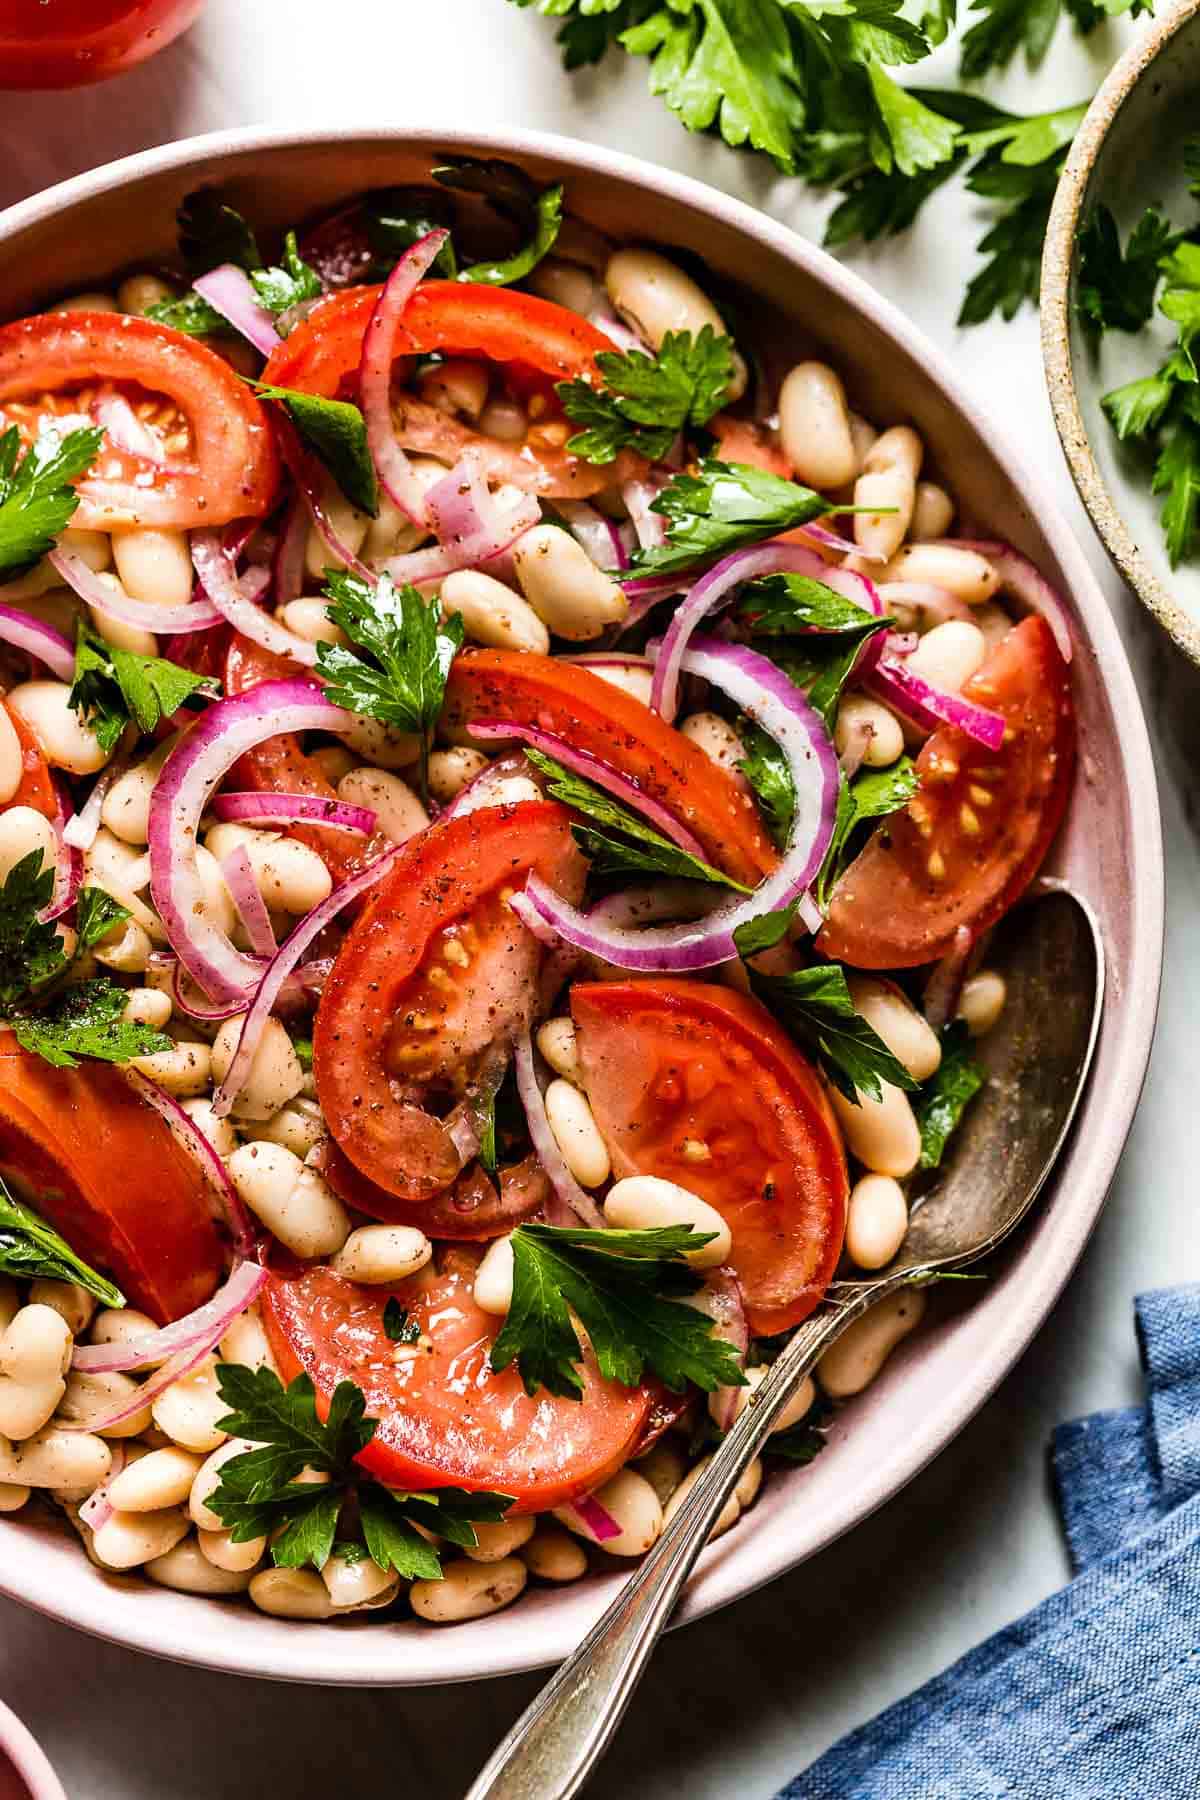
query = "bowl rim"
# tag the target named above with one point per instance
(27, 1757)
(1058, 262)
(720, 1579)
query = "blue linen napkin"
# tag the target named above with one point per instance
(1095, 1694)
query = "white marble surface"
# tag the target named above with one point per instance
(734, 1705)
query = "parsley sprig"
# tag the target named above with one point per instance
(722, 507)
(336, 433)
(114, 687)
(646, 400)
(86, 1021)
(626, 1289)
(944, 1098)
(37, 492)
(33, 1251)
(265, 1492)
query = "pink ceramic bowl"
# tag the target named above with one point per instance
(24, 1772)
(1111, 850)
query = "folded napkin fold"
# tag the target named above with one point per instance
(1095, 1694)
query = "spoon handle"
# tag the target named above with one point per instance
(563, 1733)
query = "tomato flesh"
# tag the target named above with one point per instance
(36, 788)
(435, 969)
(698, 1085)
(971, 841)
(72, 42)
(232, 469)
(473, 1209)
(598, 717)
(101, 1165)
(446, 1417)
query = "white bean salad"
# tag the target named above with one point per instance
(505, 787)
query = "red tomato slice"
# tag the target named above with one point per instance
(598, 717)
(463, 319)
(435, 970)
(37, 787)
(472, 1210)
(232, 468)
(671, 1065)
(446, 1417)
(740, 440)
(101, 1165)
(972, 840)
(74, 42)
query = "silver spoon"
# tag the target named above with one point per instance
(1050, 954)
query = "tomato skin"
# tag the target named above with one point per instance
(236, 465)
(666, 1061)
(598, 717)
(103, 1168)
(740, 440)
(538, 341)
(69, 43)
(37, 785)
(394, 1017)
(470, 1211)
(888, 911)
(446, 1417)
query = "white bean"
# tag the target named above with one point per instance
(664, 1466)
(883, 1134)
(310, 620)
(208, 1480)
(632, 678)
(22, 831)
(392, 532)
(451, 770)
(963, 573)
(154, 564)
(13, 1496)
(92, 301)
(127, 1540)
(853, 1362)
(797, 1408)
(399, 814)
(504, 419)
(632, 1504)
(876, 1221)
(12, 762)
(456, 386)
(125, 948)
(187, 1570)
(219, 1132)
(189, 1409)
(717, 738)
(37, 1344)
(358, 1584)
(291, 1594)
(566, 284)
(577, 1134)
(124, 1325)
(53, 1458)
(299, 1127)
(25, 1406)
(860, 716)
(349, 525)
(499, 790)
(383, 746)
(246, 1341)
(864, 435)
(500, 1538)
(655, 296)
(290, 877)
(89, 1397)
(163, 1478)
(949, 655)
(728, 1516)
(982, 1001)
(138, 293)
(468, 1590)
(147, 1006)
(379, 1255)
(275, 1075)
(554, 1555)
(558, 1044)
(334, 761)
(562, 584)
(215, 898)
(218, 1548)
(118, 632)
(494, 1278)
(292, 1201)
(185, 1069)
(933, 512)
(492, 614)
(888, 479)
(746, 1491)
(644, 1202)
(814, 426)
(66, 741)
(893, 1017)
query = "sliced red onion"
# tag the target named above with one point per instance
(942, 990)
(206, 1327)
(582, 762)
(720, 1299)
(471, 525)
(928, 707)
(475, 794)
(228, 1205)
(310, 483)
(650, 527)
(596, 1520)
(1027, 585)
(188, 999)
(545, 1145)
(109, 597)
(281, 966)
(126, 431)
(79, 832)
(285, 809)
(98, 1509)
(860, 590)
(68, 867)
(396, 474)
(599, 535)
(229, 290)
(26, 633)
(821, 534)
(218, 578)
(772, 701)
(712, 591)
(251, 907)
(174, 1369)
(287, 568)
(647, 903)
(198, 763)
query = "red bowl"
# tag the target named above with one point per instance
(68, 43)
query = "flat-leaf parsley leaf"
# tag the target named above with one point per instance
(646, 400)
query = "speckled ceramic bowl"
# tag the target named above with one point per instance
(1127, 154)
(24, 1772)
(1110, 849)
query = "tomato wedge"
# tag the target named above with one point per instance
(472, 1210)
(435, 971)
(699, 1085)
(101, 1165)
(594, 715)
(232, 468)
(538, 342)
(37, 787)
(446, 1417)
(972, 840)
